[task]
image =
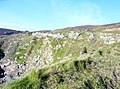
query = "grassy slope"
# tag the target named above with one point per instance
(95, 70)
(92, 72)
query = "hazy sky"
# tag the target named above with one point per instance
(53, 14)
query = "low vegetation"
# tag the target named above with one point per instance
(80, 60)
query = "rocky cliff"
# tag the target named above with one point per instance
(61, 59)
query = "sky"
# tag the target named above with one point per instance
(33, 15)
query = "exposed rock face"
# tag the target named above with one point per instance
(39, 57)
(87, 51)
(109, 38)
(12, 70)
(73, 34)
(40, 35)
(2, 54)
(2, 73)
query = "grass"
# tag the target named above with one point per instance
(92, 70)
(74, 74)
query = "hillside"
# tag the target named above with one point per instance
(5, 31)
(94, 27)
(70, 58)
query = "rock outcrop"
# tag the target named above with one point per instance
(61, 59)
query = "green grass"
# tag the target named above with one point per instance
(92, 72)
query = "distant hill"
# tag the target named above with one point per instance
(5, 31)
(90, 27)
(43, 31)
